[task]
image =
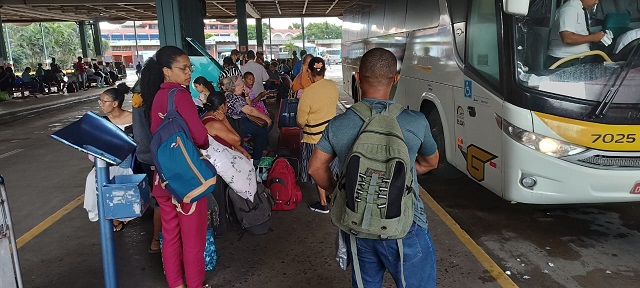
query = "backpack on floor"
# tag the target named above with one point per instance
(254, 216)
(72, 87)
(374, 197)
(282, 183)
(183, 171)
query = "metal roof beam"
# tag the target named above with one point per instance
(252, 10)
(69, 2)
(38, 13)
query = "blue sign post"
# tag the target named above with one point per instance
(109, 145)
(106, 228)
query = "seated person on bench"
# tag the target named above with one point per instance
(32, 83)
(570, 33)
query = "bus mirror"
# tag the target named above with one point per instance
(516, 7)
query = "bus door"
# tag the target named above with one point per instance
(478, 137)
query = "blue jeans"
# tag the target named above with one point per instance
(260, 137)
(376, 255)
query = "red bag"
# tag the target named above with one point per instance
(282, 183)
(290, 139)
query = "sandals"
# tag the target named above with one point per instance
(155, 246)
(120, 226)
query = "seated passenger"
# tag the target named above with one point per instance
(217, 124)
(30, 82)
(238, 109)
(255, 99)
(570, 33)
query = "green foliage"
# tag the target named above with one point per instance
(324, 30)
(62, 42)
(290, 47)
(295, 26)
(208, 35)
(251, 31)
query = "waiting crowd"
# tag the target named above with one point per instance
(56, 80)
(355, 154)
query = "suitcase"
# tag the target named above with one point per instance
(288, 112)
(289, 139)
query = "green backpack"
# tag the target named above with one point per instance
(374, 197)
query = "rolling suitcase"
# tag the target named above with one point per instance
(288, 112)
(289, 139)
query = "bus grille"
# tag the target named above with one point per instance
(612, 161)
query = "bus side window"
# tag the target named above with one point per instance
(482, 40)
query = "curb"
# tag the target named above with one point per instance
(39, 109)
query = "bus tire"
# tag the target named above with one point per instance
(445, 169)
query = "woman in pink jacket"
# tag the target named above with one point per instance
(183, 236)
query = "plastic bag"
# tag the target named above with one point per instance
(4, 96)
(341, 253)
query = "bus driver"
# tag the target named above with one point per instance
(570, 33)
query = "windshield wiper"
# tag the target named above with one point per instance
(615, 86)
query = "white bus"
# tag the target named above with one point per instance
(526, 132)
(335, 55)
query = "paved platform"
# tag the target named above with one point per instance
(62, 249)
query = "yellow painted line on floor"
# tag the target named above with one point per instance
(475, 249)
(49, 221)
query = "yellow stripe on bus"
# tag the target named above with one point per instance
(599, 136)
(475, 249)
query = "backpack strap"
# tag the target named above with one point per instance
(356, 261)
(171, 103)
(365, 110)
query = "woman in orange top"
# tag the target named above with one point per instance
(303, 80)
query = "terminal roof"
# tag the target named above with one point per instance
(127, 10)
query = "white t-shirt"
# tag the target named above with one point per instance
(570, 17)
(258, 72)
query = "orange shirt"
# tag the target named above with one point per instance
(302, 81)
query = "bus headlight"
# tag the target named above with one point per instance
(547, 145)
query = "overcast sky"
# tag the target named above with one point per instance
(276, 23)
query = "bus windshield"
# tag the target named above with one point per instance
(592, 71)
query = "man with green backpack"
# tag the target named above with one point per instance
(376, 202)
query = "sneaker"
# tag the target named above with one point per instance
(317, 207)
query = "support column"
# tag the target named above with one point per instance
(82, 27)
(303, 38)
(259, 36)
(178, 20)
(3, 48)
(97, 39)
(241, 14)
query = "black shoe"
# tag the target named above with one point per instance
(317, 207)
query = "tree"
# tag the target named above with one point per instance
(323, 30)
(62, 42)
(251, 31)
(290, 47)
(208, 35)
(295, 26)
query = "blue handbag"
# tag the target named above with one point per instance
(210, 255)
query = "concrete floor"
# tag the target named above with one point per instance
(43, 176)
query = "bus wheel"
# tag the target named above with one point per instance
(445, 169)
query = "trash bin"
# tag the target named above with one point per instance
(126, 196)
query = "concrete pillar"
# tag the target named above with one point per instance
(303, 38)
(3, 48)
(259, 36)
(181, 19)
(241, 14)
(97, 39)
(82, 27)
